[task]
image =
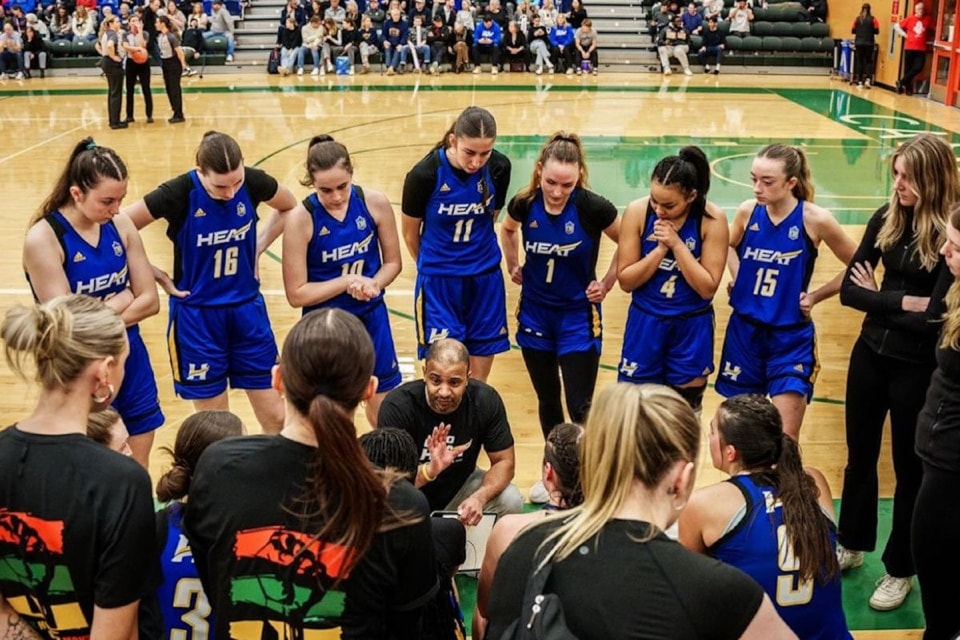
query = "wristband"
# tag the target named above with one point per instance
(423, 472)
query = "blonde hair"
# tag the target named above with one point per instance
(633, 432)
(950, 335)
(62, 337)
(931, 170)
(795, 165)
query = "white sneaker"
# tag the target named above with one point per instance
(687, 72)
(476, 69)
(229, 58)
(667, 71)
(539, 493)
(19, 75)
(890, 592)
(848, 559)
(539, 70)
(315, 72)
(300, 71)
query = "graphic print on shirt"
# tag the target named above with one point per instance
(34, 579)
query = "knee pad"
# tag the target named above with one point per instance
(693, 396)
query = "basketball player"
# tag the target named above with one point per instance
(341, 249)
(770, 346)
(559, 314)
(672, 252)
(76, 245)
(451, 198)
(219, 330)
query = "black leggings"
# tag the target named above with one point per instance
(936, 538)
(172, 72)
(875, 385)
(913, 62)
(579, 379)
(863, 63)
(139, 72)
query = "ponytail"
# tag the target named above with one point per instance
(795, 165)
(87, 166)
(689, 171)
(324, 153)
(197, 432)
(473, 122)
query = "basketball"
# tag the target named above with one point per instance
(139, 55)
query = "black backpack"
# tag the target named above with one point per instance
(541, 617)
(273, 62)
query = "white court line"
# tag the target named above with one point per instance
(40, 144)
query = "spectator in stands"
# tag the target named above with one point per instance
(499, 14)
(350, 36)
(447, 12)
(692, 20)
(11, 53)
(577, 14)
(177, 19)
(740, 18)
(585, 40)
(196, 13)
(419, 8)
(561, 45)
(515, 54)
(18, 19)
(816, 11)
(353, 12)
(538, 39)
(294, 9)
(416, 46)
(312, 37)
(486, 41)
(713, 43)
(865, 30)
(60, 25)
(548, 14)
(459, 45)
(454, 417)
(437, 37)
(221, 24)
(193, 43)
(124, 15)
(33, 49)
(39, 26)
(316, 8)
(466, 16)
(332, 44)
(136, 38)
(89, 5)
(914, 29)
(674, 41)
(335, 12)
(83, 25)
(369, 42)
(394, 37)
(376, 14)
(713, 9)
(662, 17)
(289, 41)
(523, 16)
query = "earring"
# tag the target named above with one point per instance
(103, 399)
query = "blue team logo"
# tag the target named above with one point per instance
(569, 228)
(794, 233)
(241, 209)
(361, 223)
(117, 249)
(691, 243)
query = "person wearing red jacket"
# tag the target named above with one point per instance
(914, 29)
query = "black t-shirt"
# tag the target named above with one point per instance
(480, 418)
(421, 181)
(258, 560)
(76, 529)
(938, 425)
(615, 587)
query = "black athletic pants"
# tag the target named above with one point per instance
(172, 72)
(913, 62)
(579, 372)
(139, 72)
(863, 63)
(114, 72)
(876, 385)
(936, 538)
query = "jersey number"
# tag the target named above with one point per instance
(669, 287)
(791, 591)
(190, 591)
(551, 264)
(766, 282)
(225, 262)
(352, 268)
(461, 230)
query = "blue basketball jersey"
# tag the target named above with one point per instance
(458, 237)
(97, 271)
(759, 546)
(667, 292)
(217, 249)
(560, 256)
(183, 603)
(343, 248)
(776, 262)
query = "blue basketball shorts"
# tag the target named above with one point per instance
(470, 309)
(386, 367)
(138, 401)
(559, 331)
(671, 350)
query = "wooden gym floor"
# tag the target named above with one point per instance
(628, 122)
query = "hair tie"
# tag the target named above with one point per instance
(91, 145)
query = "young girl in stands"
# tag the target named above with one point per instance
(76, 243)
(673, 246)
(451, 199)
(773, 518)
(341, 249)
(77, 515)
(770, 345)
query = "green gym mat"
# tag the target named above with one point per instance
(858, 585)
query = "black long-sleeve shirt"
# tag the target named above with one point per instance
(887, 329)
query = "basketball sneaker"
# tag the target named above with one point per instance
(890, 592)
(848, 559)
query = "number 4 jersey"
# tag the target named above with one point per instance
(776, 262)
